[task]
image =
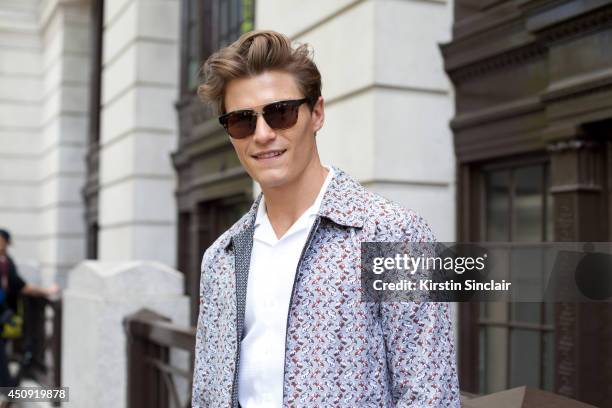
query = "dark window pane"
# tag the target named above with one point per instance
(525, 358)
(526, 312)
(549, 207)
(548, 361)
(234, 18)
(496, 358)
(482, 372)
(498, 205)
(247, 16)
(549, 313)
(518, 207)
(193, 41)
(211, 25)
(192, 72)
(497, 312)
(483, 310)
(223, 20)
(527, 268)
(207, 46)
(528, 200)
(493, 348)
(193, 44)
(184, 244)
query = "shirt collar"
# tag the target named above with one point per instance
(343, 203)
(264, 232)
(310, 211)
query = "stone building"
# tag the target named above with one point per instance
(107, 153)
(532, 137)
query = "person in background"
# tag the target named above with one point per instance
(11, 286)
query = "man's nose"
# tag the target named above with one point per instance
(263, 132)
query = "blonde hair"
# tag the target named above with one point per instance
(252, 54)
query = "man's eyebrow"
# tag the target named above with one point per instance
(239, 109)
(288, 98)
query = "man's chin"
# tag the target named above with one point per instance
(272, 179)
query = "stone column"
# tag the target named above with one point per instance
(20, 136)
(137, 208)
(65, 31)
(44, 64)
(98, 297)
(388, 100)
(578, 185)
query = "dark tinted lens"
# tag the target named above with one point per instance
(240, 124)
(281, 115)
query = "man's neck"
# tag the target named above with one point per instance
(285, 204)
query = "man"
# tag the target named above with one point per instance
(11, 286)
(282, 321)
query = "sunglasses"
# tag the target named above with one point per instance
(278, 115)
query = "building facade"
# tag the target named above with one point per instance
(532, 136)
(108, 153)
(44, 84)
(384, 87)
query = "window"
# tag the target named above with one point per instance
(516, 340)
(207, 26)
(92, 183)
(206, 208)
(192, 40)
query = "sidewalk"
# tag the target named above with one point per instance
(29, 383)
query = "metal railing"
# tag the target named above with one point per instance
(37, 351)
(151, 378)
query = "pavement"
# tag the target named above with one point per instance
(26, 383)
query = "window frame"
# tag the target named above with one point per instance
(470, 357)
(208, 27)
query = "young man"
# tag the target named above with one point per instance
(282, 321)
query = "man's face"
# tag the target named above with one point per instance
(297, 143)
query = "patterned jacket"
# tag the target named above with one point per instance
(340, 351)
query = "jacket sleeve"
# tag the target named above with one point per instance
(198, 397)
(419, 344)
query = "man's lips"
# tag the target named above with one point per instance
(268, 154)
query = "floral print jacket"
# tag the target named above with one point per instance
(340, 351)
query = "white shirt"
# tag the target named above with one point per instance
(270, 283)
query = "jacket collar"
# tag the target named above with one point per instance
(343, 203)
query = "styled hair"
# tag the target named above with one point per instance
(252, 54)
(6, 235)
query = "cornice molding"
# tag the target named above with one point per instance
(577, 26)
(497, 62)
(51, 7)
(584, 84)
(506, 111)
(537, 35)
(571, 145)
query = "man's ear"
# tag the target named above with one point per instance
(318, 114)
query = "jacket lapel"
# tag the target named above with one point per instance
(342, 203)
(243, 244)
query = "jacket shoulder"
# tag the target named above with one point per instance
(394, 222)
